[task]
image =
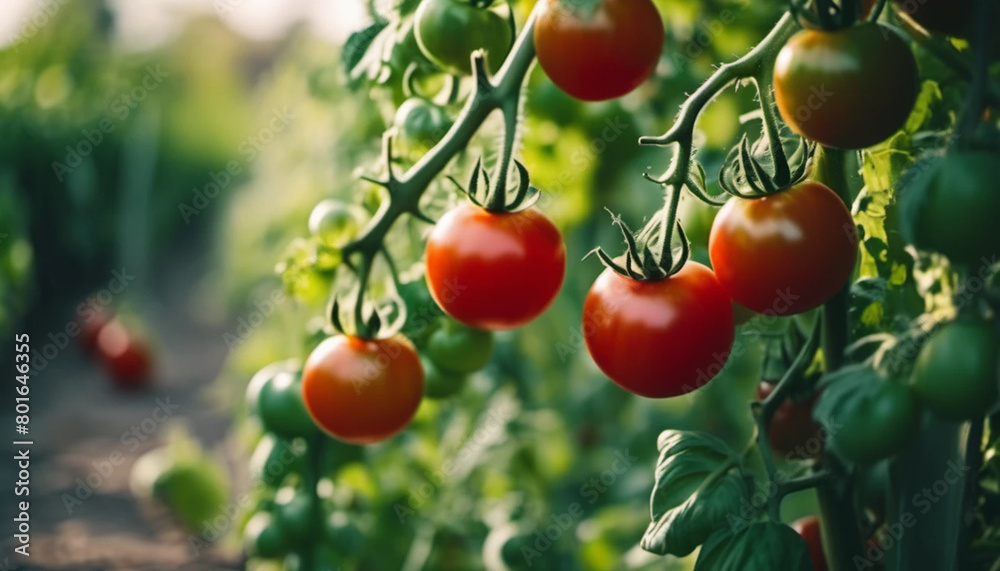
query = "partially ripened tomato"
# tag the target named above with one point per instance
(793, 432)
(955, 375)
(494, 271)
(659, 338)
(598, 50)
(809, 529)
(847, 89)
(448, 31)
(785, 253)
(363, 390)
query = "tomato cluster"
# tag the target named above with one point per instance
(124, 353)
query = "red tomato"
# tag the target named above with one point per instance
(808, 528)
(125, 356)
(786, 253)
(660, 338)
(363, 390)
(794, 434)
(601, 52)
(494, 271)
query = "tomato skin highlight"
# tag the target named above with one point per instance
(662, 338)
(955, 376)
(363, 390)
(848, 89)
(786, 253)
(600, 56)
(494, 271)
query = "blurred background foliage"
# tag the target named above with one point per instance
(537, 428)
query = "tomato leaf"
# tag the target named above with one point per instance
(762, 546)
(359, 44)
(695, 492)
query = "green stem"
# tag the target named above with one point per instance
(841, 537)
(404, 192)
(311, 478)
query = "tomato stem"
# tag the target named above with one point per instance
(502, 91)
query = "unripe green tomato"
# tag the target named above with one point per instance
(460, 349)
(439, 383)
(955, 375)
(879, 427)
(343, 534)
(294, 512)
(273, 460)
(448, 31)
(281, 408)
(421, 123)
(264, 538)
(335, 223)
(956, 207)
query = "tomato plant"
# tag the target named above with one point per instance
(956, 374)
(448, 31)
(494, 271)
(875, 424)
(601, 50)
(363, 390)
(784, 253)
(633, 327)
(847, 89)
(275, 395)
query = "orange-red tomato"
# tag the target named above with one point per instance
(363, 390)
(785, 253)
(494, 271)
(662, 338)
(847, 89)
(124, 355)
(600, 54)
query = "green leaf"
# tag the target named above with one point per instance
(359, 43)
(764, 546)
(695, 492)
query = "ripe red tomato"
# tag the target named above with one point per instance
(363, 390)
(794, 434)
(785, 253)
(494, 271)
(601, 52)
(809, 529)
(660, 338)
(848, 89)
(124, 355)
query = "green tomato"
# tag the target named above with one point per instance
(264, 538)
(955, 375)
(195, 492)
(439, 383)
(448, 31)
(295, 513)
(422, 313)
(880, 426)
(280, 406)
(273, 460)
(421, 123)
(696, 217)
(954, 206)
(335, 223)
(343, 534)
(460, 349)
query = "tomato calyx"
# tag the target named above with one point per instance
(830, 15)
(498, 198)
(649, 254)
(762, 168)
